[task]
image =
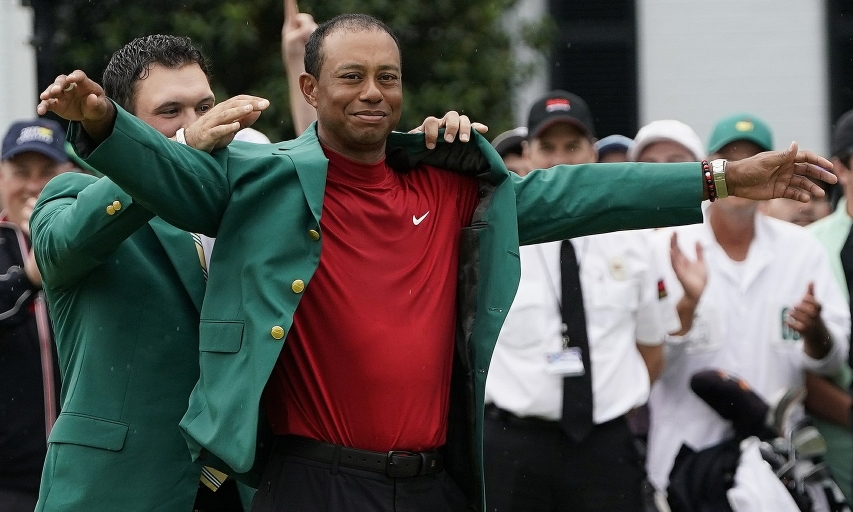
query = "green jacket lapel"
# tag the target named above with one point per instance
(311, 164)
(181, 249)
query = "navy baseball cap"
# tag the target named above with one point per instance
(613, 143)
(43, 136)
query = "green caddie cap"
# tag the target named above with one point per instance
(741, 127)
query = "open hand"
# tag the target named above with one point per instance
(779, 174)
(75, 97)
(216, 129)
(692, 274)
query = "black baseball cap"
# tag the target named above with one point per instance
(842, 136)
(43, 136)
(559, 106)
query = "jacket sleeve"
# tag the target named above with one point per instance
(185, 187)
(78, 222)
(568, 201)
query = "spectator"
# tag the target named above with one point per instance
(665, 141)
(510, 147)
(33, 152)
(828, 399)
(796, 212)
(536, 456)
(755, 298)
(613, 148)
(661, 142)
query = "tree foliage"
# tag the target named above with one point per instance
(455, 54)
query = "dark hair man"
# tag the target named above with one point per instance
(577, 353)
(129, 365)
(368, 394)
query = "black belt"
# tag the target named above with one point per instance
(395, 463)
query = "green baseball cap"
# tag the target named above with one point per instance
(741, 127)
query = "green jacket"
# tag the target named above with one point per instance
(264, 203)
(125, 292)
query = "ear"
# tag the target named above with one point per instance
(308, 85)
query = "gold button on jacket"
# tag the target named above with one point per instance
(314, 234)
(298, 286)
(117, 205)
(277, 332)
(111, 210)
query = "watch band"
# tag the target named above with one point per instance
(719, 169)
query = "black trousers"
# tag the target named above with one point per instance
(13, 500)
(531, 465)
(295, 484)
(225, 499)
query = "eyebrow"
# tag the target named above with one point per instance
(353, 65)
(179, 104)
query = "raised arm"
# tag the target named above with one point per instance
(295, 31)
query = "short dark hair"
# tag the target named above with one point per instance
(351, 22)
(133, 61)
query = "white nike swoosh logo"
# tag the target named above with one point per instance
(418, 220)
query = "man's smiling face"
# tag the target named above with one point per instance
(358, 93)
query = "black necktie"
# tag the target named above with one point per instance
(847, 265)
(577, 390)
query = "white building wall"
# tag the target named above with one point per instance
(537, 85)
(700, 60)
(17, 64)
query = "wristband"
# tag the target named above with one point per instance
(719, 169)
(180, 137)
(709, 180)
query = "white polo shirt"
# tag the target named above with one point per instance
(740, 327)
(619, 280)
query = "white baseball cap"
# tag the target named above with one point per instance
(667, 130)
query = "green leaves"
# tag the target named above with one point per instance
(456, 55)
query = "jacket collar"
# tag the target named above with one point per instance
(181, 250)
